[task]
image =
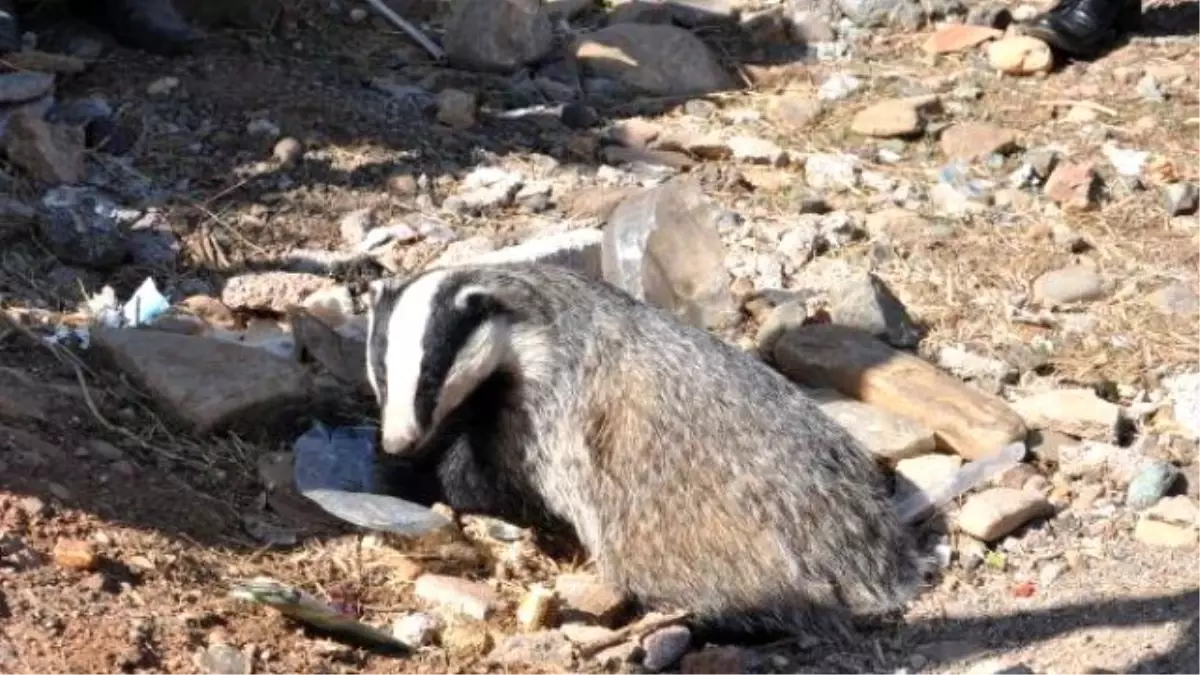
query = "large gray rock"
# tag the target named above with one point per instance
(207, 384)
(656, 59)
(83, 226)
(498, 35)
(663, 246)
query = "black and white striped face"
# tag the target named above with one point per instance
(431, 341)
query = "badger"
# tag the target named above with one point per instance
(695, 476)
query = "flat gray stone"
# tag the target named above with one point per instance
(206, 384)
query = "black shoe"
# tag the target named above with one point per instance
(1083, 28)
(154, 26)
(10, 28)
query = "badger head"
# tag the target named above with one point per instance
(431, 341)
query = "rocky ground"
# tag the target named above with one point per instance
(1014, 242)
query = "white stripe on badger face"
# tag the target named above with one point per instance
(406, 331)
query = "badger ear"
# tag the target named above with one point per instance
(377, 288)
(482, 299)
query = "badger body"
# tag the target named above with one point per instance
(695, 475)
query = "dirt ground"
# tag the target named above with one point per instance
(166, 514)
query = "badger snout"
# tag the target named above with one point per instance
(401, 442)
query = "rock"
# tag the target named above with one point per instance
(1072, 186)
(1177, 510)
(964, 420)
(206, 384)
(577, 249)
(1174, 298)
(1150, 90)
(1099, 460)
(1184, 392)
(871, 13)
(1068, 285)
(864, 302)
(663, 246)
(1165, 535)
(82, 226)
(924, 474)
(288, 151)
(467, 639)
(537, 608)
(16, 218)
(1151, 484)
(483, 189)
(543, 648)
(151, 241)
(223, 659)
(162, 86)
(838, 87)
(993, 513)
(888, 436)
(795, 112)
(636, 132)
(835, 172)
(894, 118)
(456, 108)
(464, 251)
(585, 597)
(971, 141)
(274, 291)
(894, 222)
(50, 153)
(75, 554)
(716, 660)
(971, 366)
(44, 62)
(960, 37)
(1020, 55)
(756, 151)
(1181, 199)
(416, 629)
(468, 598)
(22, 87)
(497, 35)
(1076, 412)
(665, 646)
(355, 225)
(657, 60)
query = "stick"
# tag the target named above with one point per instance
(647, 624)
(412, 31)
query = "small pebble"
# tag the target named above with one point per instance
(162, 86)
(288, 151)
(665, 646)
(1151, 484)
(75, 554)
(417, 629)
(1181, 199)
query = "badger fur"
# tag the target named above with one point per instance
(696, 476)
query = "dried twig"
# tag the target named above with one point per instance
(413, 32)
(647, 624)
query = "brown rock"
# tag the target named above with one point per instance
(45, 62)
(1177, 510)
(716, 660)
(207, 384)
(537, 608)
(50, 153)
(456, 108)
(961, 37)
(1165, 535)
(976, 140)
(274, 291)
(497, 35)
(795, 112)
(596, 202)
(211, 310)
(635, 132)
(468, 639)
(468, 598)
(617, 155)
(663, 246)
(75, 554)
(1020, 55)
(993, 513)
(894, 118)
(1077, 412)
(660, 60)
(1072, 186)
(543, 648)
(888, 436)
(964, 420)
(586, 598)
